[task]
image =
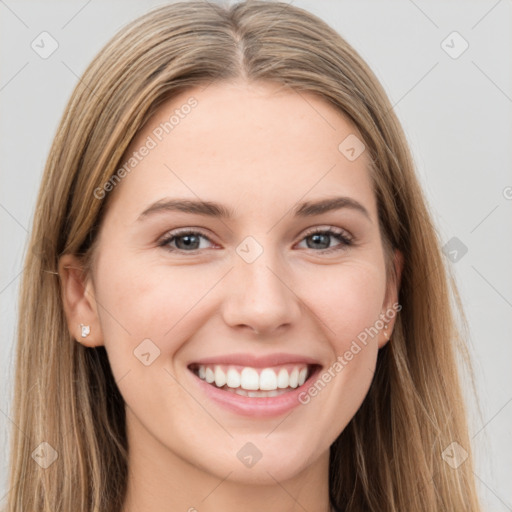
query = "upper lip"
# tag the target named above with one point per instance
(254, 361)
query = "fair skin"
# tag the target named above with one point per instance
(260, 152)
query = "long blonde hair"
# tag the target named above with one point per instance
(388, 459)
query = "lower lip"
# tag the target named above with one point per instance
(255, 406)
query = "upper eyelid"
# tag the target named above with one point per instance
(342, 231)
(184, 231)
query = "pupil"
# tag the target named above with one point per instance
(319, 236)
(187, 239)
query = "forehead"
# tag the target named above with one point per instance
(254, 144)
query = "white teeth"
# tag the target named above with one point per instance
(282, 379)
(233, 380)
(265, 383)
(294, 378)
(209, 375)
(220, 377)
(243, 392)
(268, 380)
(249, 379)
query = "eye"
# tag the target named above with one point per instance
(320, 239)
(187, 240)
(184, 240)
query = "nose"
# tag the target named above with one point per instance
(260, 296)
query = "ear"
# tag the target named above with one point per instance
(79, 301)
(389, 307)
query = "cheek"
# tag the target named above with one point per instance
(345, 301)
(348, 299)
(146, 313)
(168, 304)
(152, 301)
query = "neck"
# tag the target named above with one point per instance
(159, 479)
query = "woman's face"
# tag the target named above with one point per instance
(261, 298)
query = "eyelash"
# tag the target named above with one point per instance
(341, 235)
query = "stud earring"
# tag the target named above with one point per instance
(386, 331)
(86, 330)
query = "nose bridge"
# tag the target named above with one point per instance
(259, 295)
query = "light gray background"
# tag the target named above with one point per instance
(456, 113)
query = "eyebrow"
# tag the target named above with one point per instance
(213, 209)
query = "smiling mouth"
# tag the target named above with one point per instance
(254, 382)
